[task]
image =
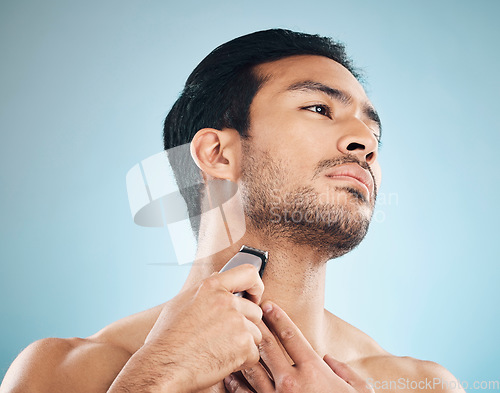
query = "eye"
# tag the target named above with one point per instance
(321, 109)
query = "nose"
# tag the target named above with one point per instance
(359, 140)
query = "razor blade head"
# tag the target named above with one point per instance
(248, 255)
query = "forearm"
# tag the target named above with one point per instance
(152, 372)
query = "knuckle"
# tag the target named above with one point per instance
(249, 341)
(244, 342)
(237, 322)
(248, 358)
(210, 283)
(250, 373)
(258, 339)
(252, 271)
(288, 383)
(265, 343)
(287, 334)
(233, 386)
(250, 268)
(258, 311)
(225, 301)
(247, 269)
(254, 358)
(229, 300)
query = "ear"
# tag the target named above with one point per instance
(218, 152)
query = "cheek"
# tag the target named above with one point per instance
(283, 128)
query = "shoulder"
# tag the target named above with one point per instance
(386, 372)
(79, 364)
(406, 374)
(61, 365)
(351, 342)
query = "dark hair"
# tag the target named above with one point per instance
(220, 90)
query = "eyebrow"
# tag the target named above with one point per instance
(339, 95)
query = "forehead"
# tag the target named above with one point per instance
(280, 74)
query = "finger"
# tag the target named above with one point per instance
(243, 278)
(347, 374)
(258, 378)
(292, 339)
(254, 331)
(235, 383)
(249, 309)
(271, 353)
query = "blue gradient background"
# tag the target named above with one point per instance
(84, 87)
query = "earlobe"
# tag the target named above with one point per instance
(217, 152)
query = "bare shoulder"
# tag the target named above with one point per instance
(384, 371)
(79, 364)
(61, 365)
(389, 373)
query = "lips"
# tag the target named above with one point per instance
(354, 173)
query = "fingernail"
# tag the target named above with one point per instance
(228, 379)
(267, 307)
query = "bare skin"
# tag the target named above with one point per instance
(92, 364)
(220, 335)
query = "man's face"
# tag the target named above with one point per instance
(309, 169)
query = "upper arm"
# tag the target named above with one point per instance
(407, 374)
(61, 365)
(442, 380)
(35, 365)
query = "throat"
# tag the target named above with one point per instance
(296, 282)
(294, 279)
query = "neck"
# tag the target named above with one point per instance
(294, 279)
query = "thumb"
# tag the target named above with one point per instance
(243, 278)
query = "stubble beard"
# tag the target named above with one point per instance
(331, 224)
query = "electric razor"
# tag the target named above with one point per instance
(253, 256)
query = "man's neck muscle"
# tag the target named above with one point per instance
(294, 279)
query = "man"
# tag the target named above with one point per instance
(283, 116)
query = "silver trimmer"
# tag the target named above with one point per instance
(253, 256)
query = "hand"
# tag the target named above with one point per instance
(309, 374)
(206, 333)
